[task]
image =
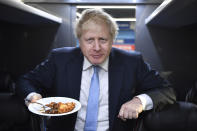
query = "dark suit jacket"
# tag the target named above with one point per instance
(60, 75)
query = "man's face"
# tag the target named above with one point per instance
(95, 42)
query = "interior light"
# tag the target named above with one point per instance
(125, 19)
(106, 7)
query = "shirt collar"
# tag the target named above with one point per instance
(87, 64)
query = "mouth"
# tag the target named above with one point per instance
(97, 56)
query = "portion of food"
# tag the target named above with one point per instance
(58, 108)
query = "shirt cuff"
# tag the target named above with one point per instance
(146, 100)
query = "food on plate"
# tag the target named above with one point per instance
(60, 107)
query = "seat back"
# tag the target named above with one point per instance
(13, 113)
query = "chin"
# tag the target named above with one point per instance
(96, 62)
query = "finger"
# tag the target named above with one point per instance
(35, 97)
(124, 119)
(130, 115)
(126, 114)
(121, 112)
(135, 115)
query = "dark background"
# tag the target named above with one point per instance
(167, 42)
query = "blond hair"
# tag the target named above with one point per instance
(96, 15)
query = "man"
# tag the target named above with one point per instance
(127, 85)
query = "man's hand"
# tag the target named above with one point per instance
(32, 97)
(131, 109)
(35, 97)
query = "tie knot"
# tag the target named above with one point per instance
(96, 68)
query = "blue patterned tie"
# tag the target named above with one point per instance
(93, 103)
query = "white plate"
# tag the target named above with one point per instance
(37, 109)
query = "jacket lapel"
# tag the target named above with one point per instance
(74, 72)
(115, 84)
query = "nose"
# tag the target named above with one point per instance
(97, 45)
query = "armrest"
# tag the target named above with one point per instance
(180, 116)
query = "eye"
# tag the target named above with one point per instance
(102, 40)
(90, 40)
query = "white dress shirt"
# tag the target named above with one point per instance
(103, 115)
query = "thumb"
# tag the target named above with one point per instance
(35, 97)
